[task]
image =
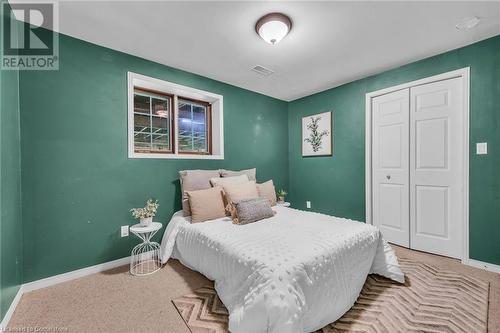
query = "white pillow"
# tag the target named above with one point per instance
(229, 180)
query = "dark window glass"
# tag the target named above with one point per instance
(193, 124)
(152, 122)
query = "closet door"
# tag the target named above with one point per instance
(436, 167)
(390, 169)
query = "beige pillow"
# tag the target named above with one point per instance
(192, 180)
(241, 191)
(249, 172)
(267, 190)
(229, 180)
(206, 204)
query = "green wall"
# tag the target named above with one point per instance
(336, 185)
(78, 183)
(11, 251)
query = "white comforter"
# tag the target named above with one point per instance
(295, 272)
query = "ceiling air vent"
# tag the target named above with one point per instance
(262, 70)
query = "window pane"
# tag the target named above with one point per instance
(200, 141)
(161, 107)
(160, 143)
(184, 119)
(141, 103)
(151, 122)
(160, 125)
(141, 123)
(161, 134)
(193, 127)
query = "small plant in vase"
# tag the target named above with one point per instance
(146, 214)
(281, 195)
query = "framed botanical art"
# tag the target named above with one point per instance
(317, 135)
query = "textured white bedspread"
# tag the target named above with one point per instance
(295, 272)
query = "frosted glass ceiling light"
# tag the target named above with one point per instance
(273, 27)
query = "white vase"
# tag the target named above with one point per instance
(146, 221)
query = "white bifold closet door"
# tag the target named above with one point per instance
(436, 168)
(390, 166)
(417, 154)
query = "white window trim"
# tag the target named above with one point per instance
(217, 101)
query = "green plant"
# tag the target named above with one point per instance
(281, 193)
(315, 138)
(148, 211)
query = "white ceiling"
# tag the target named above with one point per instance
(331, 43)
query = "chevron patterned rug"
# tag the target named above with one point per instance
(431, 300)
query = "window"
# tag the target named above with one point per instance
(167, 120)
(152, 122)
(194, 126)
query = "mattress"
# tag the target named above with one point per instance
(294, 272)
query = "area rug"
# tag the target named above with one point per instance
(431, 300)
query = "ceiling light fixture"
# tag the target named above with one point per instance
(468, 23)
(273, 27)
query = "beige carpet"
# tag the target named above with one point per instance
(115, 301)
(430, 300)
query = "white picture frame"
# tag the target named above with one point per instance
(317, 135)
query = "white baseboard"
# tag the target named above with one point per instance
(52, 280)
(483, 265)
(12, 308)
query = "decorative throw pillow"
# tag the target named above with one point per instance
(252, 210)
(229, 180)
(267, 190)
(206, 204)
(231, 211)
(249, 172)
(241, 191)
(192, 180)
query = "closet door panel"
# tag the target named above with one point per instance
(390, 168)
(436, 167)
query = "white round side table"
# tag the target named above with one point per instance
(145, 258)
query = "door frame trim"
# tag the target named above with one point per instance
(463, 73)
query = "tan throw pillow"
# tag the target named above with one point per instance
(229, 180)
(192, 180)
(241, 191)
(206, 204)
(231, 211)
(267, 190)
(249, 172)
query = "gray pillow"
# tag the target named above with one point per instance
(253, 210)
(249, 172)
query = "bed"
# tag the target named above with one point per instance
(294, 272)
